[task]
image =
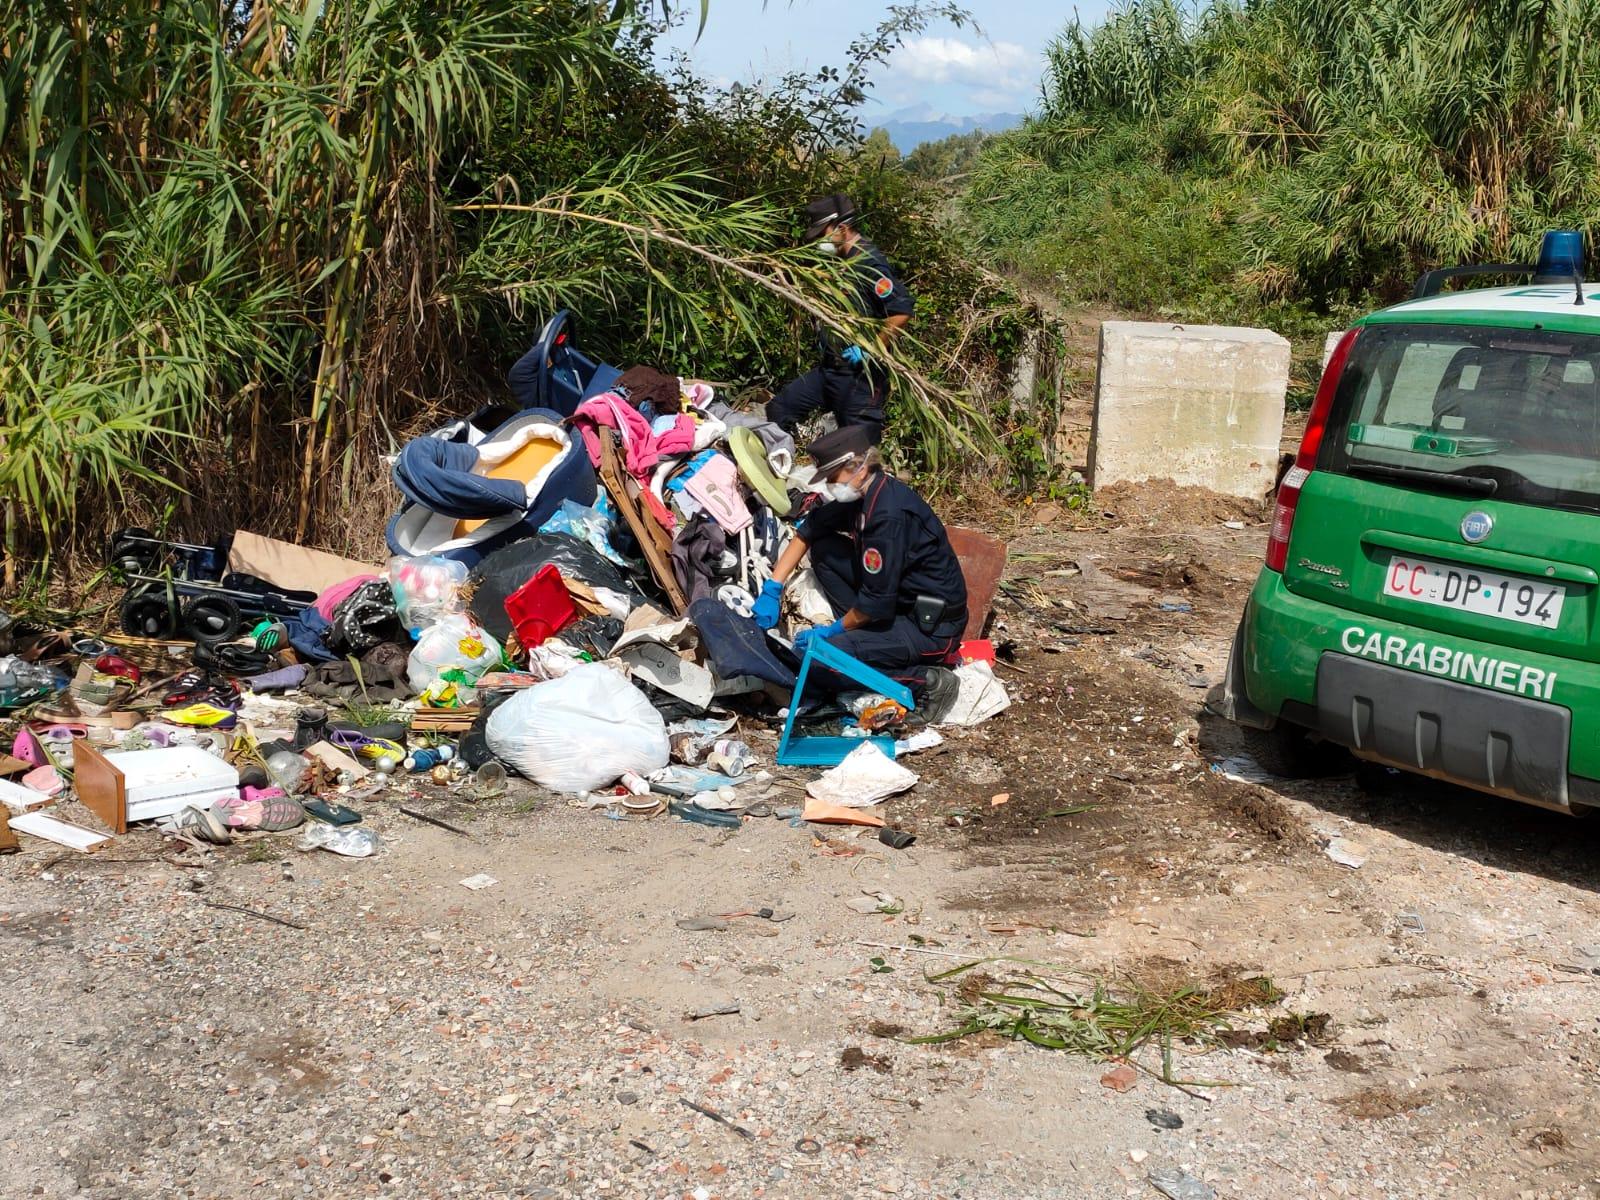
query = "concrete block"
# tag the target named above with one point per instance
(1201, 405)
(1329, 344)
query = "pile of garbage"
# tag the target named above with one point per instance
(568, 599)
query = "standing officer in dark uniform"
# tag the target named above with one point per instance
(846, 380)
(882, 559)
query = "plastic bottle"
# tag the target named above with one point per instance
(288, 770)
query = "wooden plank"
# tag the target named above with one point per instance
(8, 840)
(443, 720)
(336, 760)
(51, 830)
(119, 719)
(646, 530)
(100, 786)
(19, 799)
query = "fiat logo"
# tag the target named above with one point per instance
(1476, 526)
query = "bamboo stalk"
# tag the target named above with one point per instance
(784, 291)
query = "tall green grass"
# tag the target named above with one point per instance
(247, 247)
(1290, 160)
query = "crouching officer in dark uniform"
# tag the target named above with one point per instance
(883, 560)
(846, 381)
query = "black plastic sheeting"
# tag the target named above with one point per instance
(508, 568)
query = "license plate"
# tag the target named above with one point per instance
(1508, 597)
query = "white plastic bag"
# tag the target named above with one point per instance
(579, 732)
(341, 839)
(457, 643)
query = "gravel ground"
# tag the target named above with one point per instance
(417, 1039)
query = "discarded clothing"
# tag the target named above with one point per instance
(641, 449)
(281, 680)
(381, 677)
(736, 645)
(305, 635)
(364, 618)
(716, 486)
(648, 389)
(330, 599)
(696, 554)
(779, 443)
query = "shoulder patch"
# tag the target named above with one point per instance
(872, 560)
(883, 287)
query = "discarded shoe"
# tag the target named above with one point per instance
(269, 809)
(202, 824)
(937, 694)
(280, 812)
(202, 715)
(310, 727)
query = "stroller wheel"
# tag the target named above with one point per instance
(212, 619)
(149, 615)
(132, 552)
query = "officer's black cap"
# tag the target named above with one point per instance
(825, 211)
(839, 446)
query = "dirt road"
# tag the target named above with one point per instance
(417, 1039)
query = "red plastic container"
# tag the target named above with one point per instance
(541, 608)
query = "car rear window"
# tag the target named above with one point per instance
(1509, 412)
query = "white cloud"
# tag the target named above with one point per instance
(1017, 96)
(950, 60)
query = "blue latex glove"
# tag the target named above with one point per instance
(824, 632)
(854, 355)
(766, 608)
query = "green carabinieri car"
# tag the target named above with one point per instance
(1431, 593)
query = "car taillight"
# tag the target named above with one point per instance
(1306, 460)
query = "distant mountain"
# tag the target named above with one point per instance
(908, 128)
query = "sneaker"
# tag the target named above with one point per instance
(278, 811)
(236, 812)
(203, 824)
(201, 715)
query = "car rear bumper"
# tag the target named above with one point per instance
(1509, 745)
(1525, 727)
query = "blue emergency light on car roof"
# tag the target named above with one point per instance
(1560, 261)
(1560, 256)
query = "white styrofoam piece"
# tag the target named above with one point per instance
(51, 830)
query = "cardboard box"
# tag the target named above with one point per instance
(289, 566)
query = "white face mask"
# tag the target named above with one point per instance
(843, 492)
(826, 248)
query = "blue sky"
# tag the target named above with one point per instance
(954, 70)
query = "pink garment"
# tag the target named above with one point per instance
(641, 449)
(338, 594)
(716, 486)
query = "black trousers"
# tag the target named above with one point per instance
(854, 395)
(891, 645)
